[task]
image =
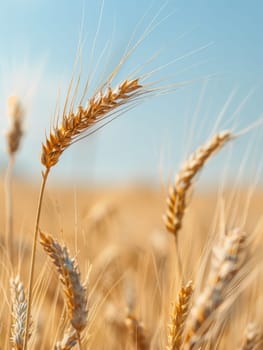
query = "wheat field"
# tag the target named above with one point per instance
(135, 267)
(137, 296)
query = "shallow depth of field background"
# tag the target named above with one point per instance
(213, 46)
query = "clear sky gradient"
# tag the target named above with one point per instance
(216, 46)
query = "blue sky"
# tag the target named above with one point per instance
(214, 44)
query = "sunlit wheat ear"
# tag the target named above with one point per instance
(253, 338)
(115, 319)
(75, 125)
(69, 340)
(74, 290)
(178, 318)
(137, 332)
(227, 260)
(19, 307)
(177, 198)
(15, 132)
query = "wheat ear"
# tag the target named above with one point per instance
(15, 133)
(74, 290)
(69, 340)
(227, 261)
(13, 139)
(137, 332)
(177, 197)
(178, 317)
(252, 339)
(176, 201)
(19, 307)
(75, 124)
(74, 127)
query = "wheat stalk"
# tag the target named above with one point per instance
(178, 317)
(176, 201)
(137, 332)
(74, 127)
(252, 339)
(115, 319)
(69, 340)
(13, 138)
(226, 262)
(75, 292)
(19, 307)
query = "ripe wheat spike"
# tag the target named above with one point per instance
(178, 317)
(227, 261)
(252, 339)
(19, 307)
(69, 275)
(176, 201)
(75, 125)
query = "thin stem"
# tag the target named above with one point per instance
(33, 255)
(9, 207)
(79, 341)
(179, 260)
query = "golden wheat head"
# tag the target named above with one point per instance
(75, 291)
(19, 307)
(227, 261)
(176, 201)
(75, 125)
(178, 317)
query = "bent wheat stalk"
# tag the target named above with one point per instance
(73, 127)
